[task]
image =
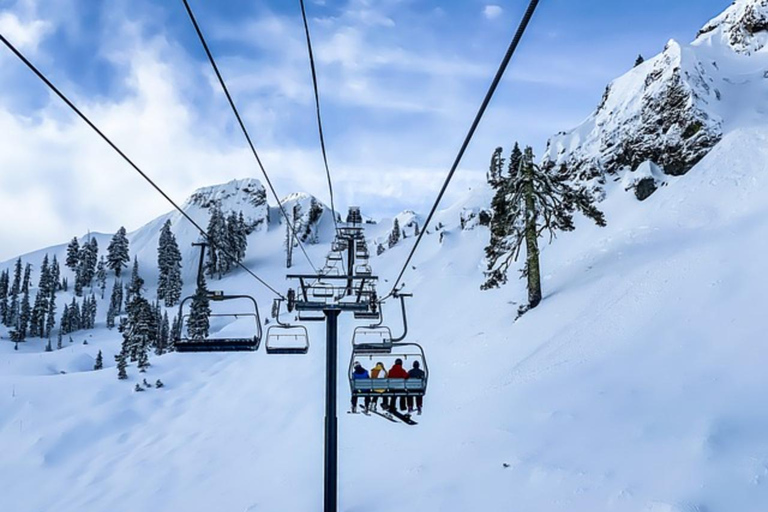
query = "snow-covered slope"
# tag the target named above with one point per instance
(672, 109)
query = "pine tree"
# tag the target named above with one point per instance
(99, 364)
(538, 202)
(50, 322)
(291, 226)
(169, 281)
(394, 236)
(59, 340)
(175, 332)
(13, 307)
(64, 322)
(86, 269)
(118, 252)
(4, 289)
(74, 316)
(135, 285)
(122, 364)
(217, 236)
(55, 274)
(73, 255)
(27, 278)
(37, 318)
(24, 316)
(640, 59)
(143, 361)
(198, 322)
(64, 284)
(242, 237)
(101, 275)
(163, 340)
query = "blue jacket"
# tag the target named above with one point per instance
(360, 373)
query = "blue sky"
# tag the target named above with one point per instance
(400, 81)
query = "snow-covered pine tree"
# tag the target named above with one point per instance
(64, 284)
(50, 321)
(216, 260)
(394, 235)
(138, 333)
(27, 278)
(242, 237)
(73, 255)
(64, 322)
(175, 332)
(101, 275)
(122, 364)
(315, 212)
(37, 318)
(640, 59)
(143, 363)
(118, 252)
(13, 307)
(380, 249)
(539, 202)
(55, 273)
(163, 340)
(169, 267)
(99, 363)
(135, 285)
(291, 225)
(4, 288)
(22, 327)
(86, 269)
(198, 321)
(74, 316)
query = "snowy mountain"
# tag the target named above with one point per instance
(638, 384)
(672, 109)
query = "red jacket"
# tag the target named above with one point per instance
(398, 372)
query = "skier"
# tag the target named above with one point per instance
(416, 373)
(379, 372)
(398, 372)
(360, 373)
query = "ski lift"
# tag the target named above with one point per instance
(361, 250)
(363, 270)
(408, 353)
(286, 339)
(339, 245)
(375, 344)
(334, 256)
(322, 291)
(235, 331)
(373, 339)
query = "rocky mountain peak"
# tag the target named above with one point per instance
(743, 26)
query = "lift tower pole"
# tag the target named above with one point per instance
(331, 420)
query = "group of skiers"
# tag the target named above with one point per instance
(396, 372)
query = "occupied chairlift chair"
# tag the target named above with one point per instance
(286, 339)
(374, 344)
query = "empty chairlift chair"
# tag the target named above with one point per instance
(232, 331)
(286, 339)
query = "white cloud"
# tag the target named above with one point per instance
(492, 11)
(25, 35)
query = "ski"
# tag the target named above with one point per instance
(383, 415)
(405, 418)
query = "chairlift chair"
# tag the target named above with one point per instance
(221, 343)
(286, 339)
(389, 387)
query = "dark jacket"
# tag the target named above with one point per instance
(416, 373)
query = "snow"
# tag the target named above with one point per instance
(637, 385)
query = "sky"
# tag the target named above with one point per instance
(400, 82)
